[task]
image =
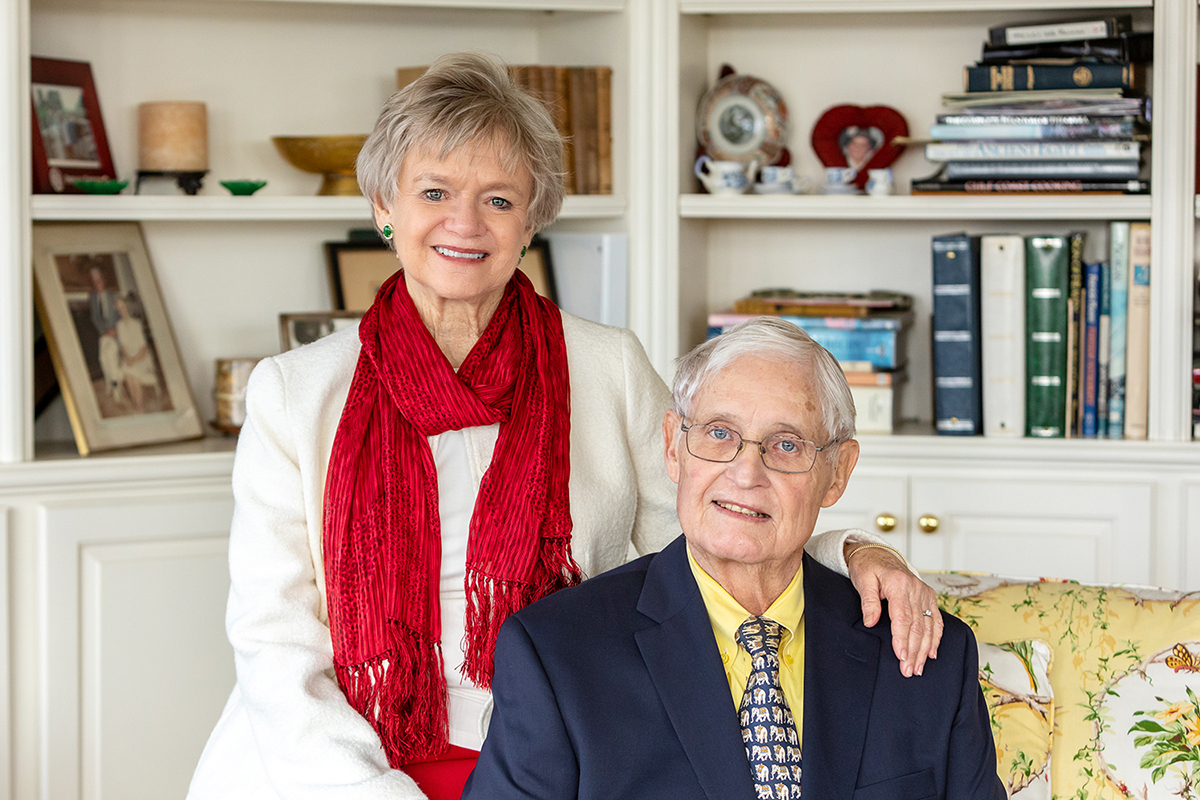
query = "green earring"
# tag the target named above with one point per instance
(387, 231)
(522, 251)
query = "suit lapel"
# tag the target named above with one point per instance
(685, 665)
(841, 659)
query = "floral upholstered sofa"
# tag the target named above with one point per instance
(1092, 689)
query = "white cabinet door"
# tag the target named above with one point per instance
(1092, 531)
(135, 664)
(870, 496)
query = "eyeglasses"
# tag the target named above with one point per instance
(781, 452)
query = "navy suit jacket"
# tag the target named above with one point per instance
(615, 689)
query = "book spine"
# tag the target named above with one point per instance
(604, 165)
(1002, 322)
(562, 121)
(580, 129)
(875, 408)
(964, 170)
(1025, 186)
(1033, 151)
(1016, 118)
(1090, 352)
(1103, 344)
(1075, 308)
(880, 349)
(1137, 351)
(1118, 239)
(1073, 31)
(985, 130)
(726, 318)
(957, 365)
(1046, 268)
(591, 141)
(1126, 47)
(1027, 77)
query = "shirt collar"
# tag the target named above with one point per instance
(727, 615)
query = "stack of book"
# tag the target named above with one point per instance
(864, 332)
(1030, 339)
(580, 101)
(1049, 108)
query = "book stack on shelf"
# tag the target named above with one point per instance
(1031, 340)
(1049, 108)
(866, 333)
(580, 101)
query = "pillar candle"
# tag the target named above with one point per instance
(172, 137)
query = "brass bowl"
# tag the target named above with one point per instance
(330, 156)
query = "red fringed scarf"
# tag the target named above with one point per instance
(382, 535)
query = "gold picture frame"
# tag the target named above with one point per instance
(114, 354)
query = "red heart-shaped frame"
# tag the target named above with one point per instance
(829, 128)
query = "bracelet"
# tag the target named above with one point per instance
(869, 545)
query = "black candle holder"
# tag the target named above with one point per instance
(188, 181)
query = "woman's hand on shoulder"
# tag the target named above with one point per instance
(880, 573)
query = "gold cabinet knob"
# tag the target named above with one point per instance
(928, 523)
(885, 523)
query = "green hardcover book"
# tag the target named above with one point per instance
(1075, 332)
(1047, 273)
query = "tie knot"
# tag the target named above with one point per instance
(759, 635)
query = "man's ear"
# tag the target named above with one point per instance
(847, 457)
(671, 422)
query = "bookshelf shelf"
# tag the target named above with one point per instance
(885, 6)
(902, 207)
(145, 208)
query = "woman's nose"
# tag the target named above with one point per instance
(463, 218)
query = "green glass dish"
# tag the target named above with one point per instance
(100, 187)
(243, 188)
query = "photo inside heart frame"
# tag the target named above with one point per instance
(859, 137)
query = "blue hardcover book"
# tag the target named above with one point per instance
(1090, 352)
(957, 352)
(882, 348)
(1118, 244)
(1102, 351)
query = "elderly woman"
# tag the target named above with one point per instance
(401, 488)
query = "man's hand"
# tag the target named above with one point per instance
(878, 574)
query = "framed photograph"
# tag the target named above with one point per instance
(296, 330)
(69, 142)
(536, 266)
(356, 271)
(116, 360)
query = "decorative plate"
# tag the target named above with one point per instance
(862, 138)
(742, 118)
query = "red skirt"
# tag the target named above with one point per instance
(443, 777)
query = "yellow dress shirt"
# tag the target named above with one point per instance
(727, 615)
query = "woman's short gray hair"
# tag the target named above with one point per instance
(464, 98)
(774, 339)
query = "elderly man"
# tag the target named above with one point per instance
(731, 666)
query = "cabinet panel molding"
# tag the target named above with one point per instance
(1089, 531)
(79, 543)
(866, 498)
(5, 638)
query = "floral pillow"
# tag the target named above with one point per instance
(1016, 684)
(1126, 677)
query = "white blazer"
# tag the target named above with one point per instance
(287, 730)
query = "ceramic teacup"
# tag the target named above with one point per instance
(879, 182)
(722, 177)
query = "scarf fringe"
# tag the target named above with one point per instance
(402, 694)
(491, 602)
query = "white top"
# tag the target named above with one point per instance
(287, 730)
